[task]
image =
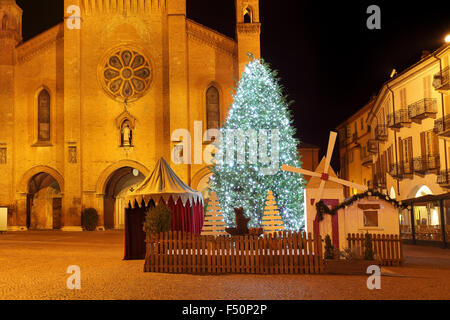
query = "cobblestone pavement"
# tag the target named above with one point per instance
(33, 266)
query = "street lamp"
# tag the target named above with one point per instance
(447, 38)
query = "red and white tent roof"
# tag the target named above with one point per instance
(163, 183)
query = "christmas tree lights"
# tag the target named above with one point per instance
(260, 114)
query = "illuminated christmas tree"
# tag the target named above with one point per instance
(260, 121)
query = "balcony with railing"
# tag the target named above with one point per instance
(442, 81)
(372, 146)
(442, 127)
(366, 159)
(427, 163)
(354, 138)
(399, 119)
(407, 168)
(443, 179)
(381, 132)
(422, 109)
(379, 181)
(395, 171)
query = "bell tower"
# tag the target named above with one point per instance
(248, 31)
(10, 37)
(10, 30)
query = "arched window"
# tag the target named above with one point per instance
(247, 15)
(4, 21)
(44, 116)
(212, 108)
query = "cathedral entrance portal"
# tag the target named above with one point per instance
(44, 202)
(120, 183)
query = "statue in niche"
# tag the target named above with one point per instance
(127, 135)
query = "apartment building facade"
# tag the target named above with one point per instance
(408, 143)
(354, 149)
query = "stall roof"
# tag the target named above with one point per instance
(163, 183)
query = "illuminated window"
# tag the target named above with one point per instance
(247, 15)
(212, 108)
(44, 116)
(423, 191)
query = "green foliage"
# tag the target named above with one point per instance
(259, 105)
(158, 219)
(89, 219)
(329, 249)
(323, 209)
(368, 248)
(351, 254)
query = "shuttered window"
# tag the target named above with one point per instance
(44, 116)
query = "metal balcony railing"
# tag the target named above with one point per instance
(379, 181)
(443, 178)
(372, 146)
(381, 132)
(442, 126)
(395, 171)
(407, 168)
(425, 108)
(442, 80)
(426, 163)
(399, 119)
(366, 159)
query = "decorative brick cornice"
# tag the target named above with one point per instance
(249, 28)
(210, 37)
(133, 7)
(40, 43)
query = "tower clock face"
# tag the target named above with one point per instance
(125, 74)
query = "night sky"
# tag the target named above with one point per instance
(329, 62)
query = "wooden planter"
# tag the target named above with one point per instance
(348, 267)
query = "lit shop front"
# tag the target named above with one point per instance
(426, 221)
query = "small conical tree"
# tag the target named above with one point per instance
(214, 224)
(329, 249)
(243, 176)
(368, 248)
(271, 221)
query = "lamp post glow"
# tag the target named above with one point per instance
(447, 38)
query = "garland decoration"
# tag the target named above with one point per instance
(322, 208)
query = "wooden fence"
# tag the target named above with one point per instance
(280, 253)
(388, 247)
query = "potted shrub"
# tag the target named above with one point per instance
(350, 261)
(89, 219)
(157, 220)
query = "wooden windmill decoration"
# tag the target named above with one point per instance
(214, 224)
(325, 176)
(271, 221)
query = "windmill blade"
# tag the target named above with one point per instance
(320, 192)
(285, 167)
(331, 144)
(348, 184)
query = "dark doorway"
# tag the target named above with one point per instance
(44, 203)
(121, 182)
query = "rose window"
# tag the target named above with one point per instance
(126, 75)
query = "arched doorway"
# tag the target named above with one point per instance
(44, 203)
(120, 183)
(201, 182)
